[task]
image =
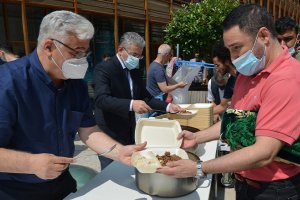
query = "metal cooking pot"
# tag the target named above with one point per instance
(166, 186)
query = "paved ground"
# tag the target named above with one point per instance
(87, 157)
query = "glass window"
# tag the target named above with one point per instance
(2, 33)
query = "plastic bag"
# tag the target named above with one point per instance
(186, 74)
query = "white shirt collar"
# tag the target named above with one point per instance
(121, 61)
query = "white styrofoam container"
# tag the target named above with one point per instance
(161, 136)
(158, 132)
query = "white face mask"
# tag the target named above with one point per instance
(73, 68)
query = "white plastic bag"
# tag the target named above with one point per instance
(186, 74)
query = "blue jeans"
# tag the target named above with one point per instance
(278, 190)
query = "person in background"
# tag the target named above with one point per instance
(196, 58)
(6, 52)
(224, 67)
(201, 77)
(106, 57)
(157, 84)
(216, 86)
(287, 30)
(120, 92)
(268, 83)
(44, 103)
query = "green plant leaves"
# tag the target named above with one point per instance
(197, 26)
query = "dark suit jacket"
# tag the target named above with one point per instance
(113, 97)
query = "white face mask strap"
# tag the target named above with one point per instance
(56, 64)
(255, 41)
(59, 50)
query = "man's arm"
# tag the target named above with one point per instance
(169, 88)
(100, 142)
(209, 134)
(254, 156)
(45, 166)
(218, 109)
(15, 161)
(251, 157)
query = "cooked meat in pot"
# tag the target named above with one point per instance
(164, 159)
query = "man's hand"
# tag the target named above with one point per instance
(179, 169)
(175, 108)
(189, 139)
(48, 166)
(216, 118)
(126, 152)
(140, 107)
(181, 84)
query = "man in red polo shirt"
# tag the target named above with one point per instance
(269, 83)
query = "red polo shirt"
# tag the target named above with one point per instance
(275, 92)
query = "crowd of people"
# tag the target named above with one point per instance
(45, 102)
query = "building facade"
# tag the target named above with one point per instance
(20, 20)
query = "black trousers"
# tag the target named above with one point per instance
(55, 189)
(288, 189)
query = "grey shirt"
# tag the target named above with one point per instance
(156, 74)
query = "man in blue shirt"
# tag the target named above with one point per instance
(43, 103)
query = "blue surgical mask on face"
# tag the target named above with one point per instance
(248, 64)
(291, 50)
(131, 62)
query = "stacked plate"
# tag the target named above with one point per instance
(203, 118)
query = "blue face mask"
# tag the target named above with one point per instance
(291, 50)
(131, 62)
(248, 65)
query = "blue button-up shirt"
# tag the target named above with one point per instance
(36, 116)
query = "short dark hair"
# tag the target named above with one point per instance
(105, 55)
(250, 18)
(219, 50)
(285, 24)
(6, 47)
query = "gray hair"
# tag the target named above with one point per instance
(164, 49)
(61, 24)
(132, 38)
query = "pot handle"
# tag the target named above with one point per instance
(203, 183)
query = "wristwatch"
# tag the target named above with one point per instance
(200, 174)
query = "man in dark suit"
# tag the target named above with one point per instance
(120, 92)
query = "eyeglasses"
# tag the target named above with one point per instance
(77, 54)
(140, 57)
